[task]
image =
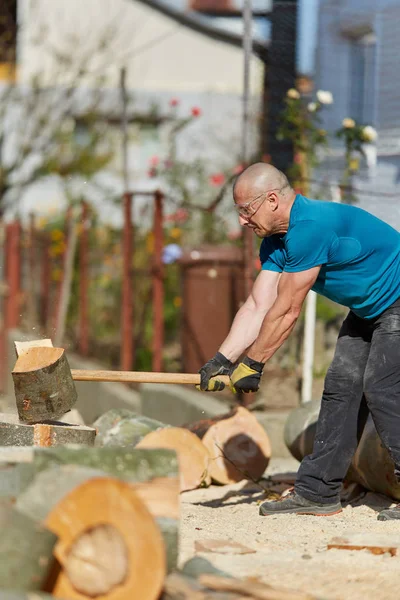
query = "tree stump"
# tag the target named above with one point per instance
(152, 474)
(50, 433)
(26, 549)
(44, 388)
(238, 445)
(111, 547)
(193, 456)
(121, 427)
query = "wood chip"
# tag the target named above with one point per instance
(377, 544)
(222, 547)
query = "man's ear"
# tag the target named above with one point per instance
(273, 201)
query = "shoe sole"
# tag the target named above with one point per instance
(300, 512)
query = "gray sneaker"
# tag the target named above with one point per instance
(296, 504)
(389, 514)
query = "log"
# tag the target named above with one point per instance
(238, 445)
(111, 547)
(121, 427)
(50, 433)
(371, 466)
(193, 456)
(25, 550)
(152, 474)
(44, 388)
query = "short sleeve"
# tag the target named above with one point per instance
(308, 245)
(271, 255)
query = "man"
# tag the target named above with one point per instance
(353, 258)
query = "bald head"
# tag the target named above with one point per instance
(257, 179)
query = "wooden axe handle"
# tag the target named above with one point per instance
(140, 377)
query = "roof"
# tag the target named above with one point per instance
(223, 22)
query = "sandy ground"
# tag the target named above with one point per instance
(291, 551)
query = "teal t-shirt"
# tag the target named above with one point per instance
(359, 254)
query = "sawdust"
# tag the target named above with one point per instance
(291, 551)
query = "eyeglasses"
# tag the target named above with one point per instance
(248, 210)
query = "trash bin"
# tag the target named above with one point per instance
(213, 289)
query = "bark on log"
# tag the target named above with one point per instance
(238, 445)
(50, 433)
(117, 532)
(44, 388)
(152, 474)
(193, 456)
(26, 550)
(118, 428)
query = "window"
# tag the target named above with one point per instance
(362, 79)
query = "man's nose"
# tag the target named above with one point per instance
(242, 221)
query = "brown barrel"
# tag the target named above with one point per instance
(371, 466)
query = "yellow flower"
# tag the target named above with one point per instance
(354, 163)
(293, 94)
(57, 235)
(175, 233)
(177, 301)
(348, 123)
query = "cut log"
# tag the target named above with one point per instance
(51, 433)
(118, 428)
(376, 544)
(111, 547)
(238, 445)
(371, 467)
(44, 388)
(193, 456)
(25, 550)
(152, 474)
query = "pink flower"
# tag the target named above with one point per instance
(152, 172)
(238, 169)
(181, 215)
(217, 179)
(297, 158)
(174, 102)
(196, 111)
(154, 161)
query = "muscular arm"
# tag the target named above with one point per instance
(281, 318)
(247, 323)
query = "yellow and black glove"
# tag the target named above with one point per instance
(245, 377)
(218, 365)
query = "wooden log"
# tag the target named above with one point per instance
(25, 550)
(120, 427)
(193, 456)
(152, 474)
(44, 388)
(51, 433)
(371, 465)
(238, 445)
(124, 545)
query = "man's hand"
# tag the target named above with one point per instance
(245, 377)
(219, 365)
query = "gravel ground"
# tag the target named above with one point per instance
(291, 551)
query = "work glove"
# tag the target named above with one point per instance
(218, 365)
(245, 377)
